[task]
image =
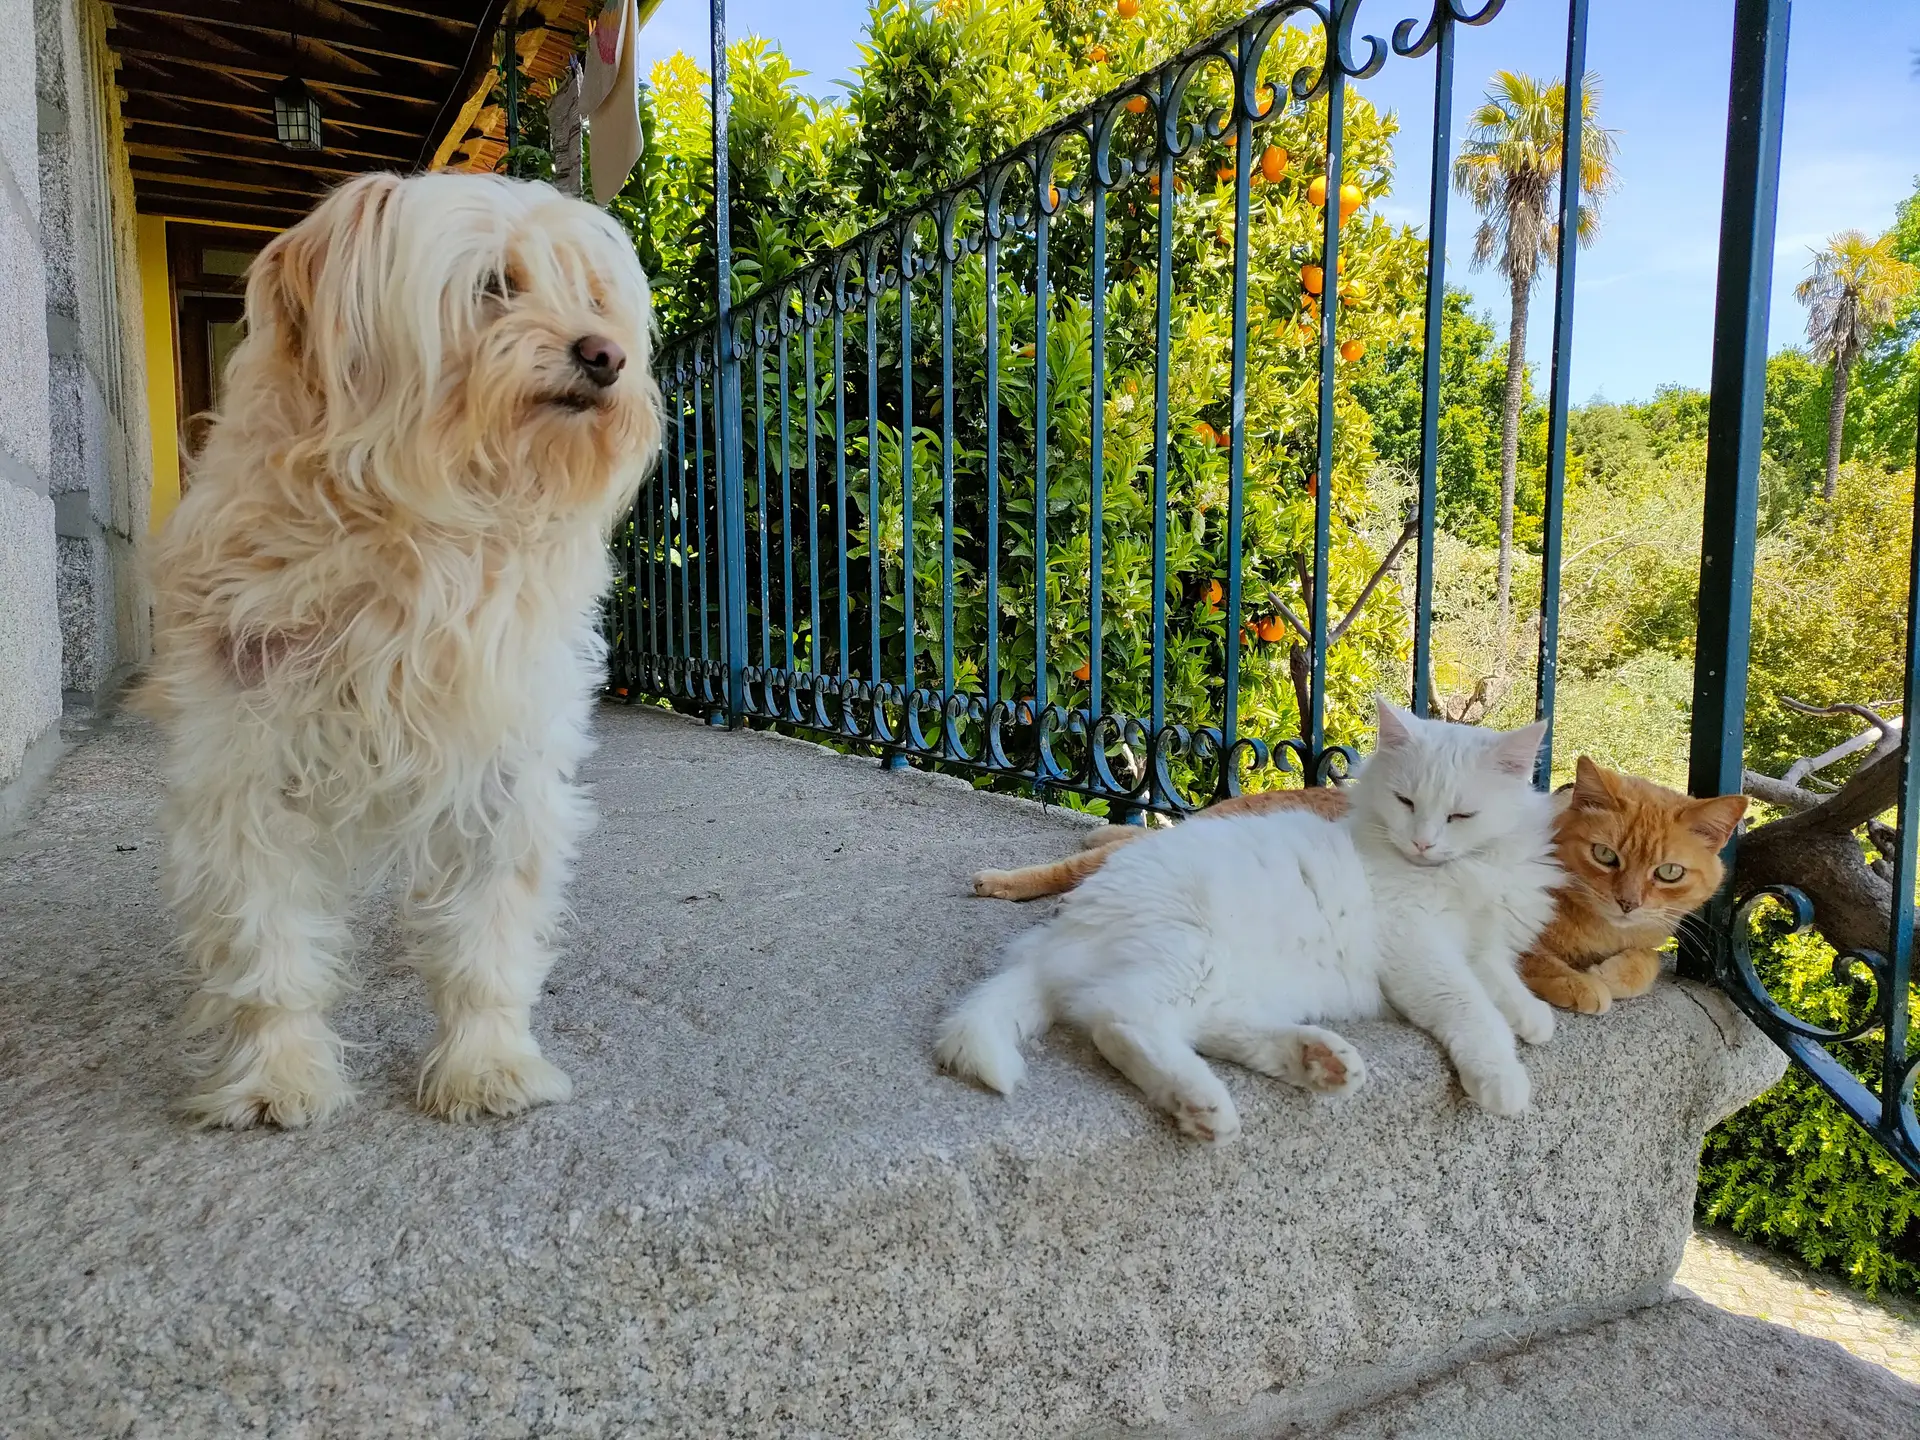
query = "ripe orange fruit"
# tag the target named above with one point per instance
(1352, 349)
(1223, 438)
(1128, 9)
(1027, 352)
(1307, 333)
(1273, 162)
(1223, 174)
(1272, 629)
(1232, 138)
(1085, 672)
(1351, 199)
(1203, 432)
(1317, 191)
(1214, 592)
(1053, 196)
(1098, 54)
(1136, 104)
(1312, 279)
(1265, 98)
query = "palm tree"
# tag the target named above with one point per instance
(1509, 167)
(1856, 287)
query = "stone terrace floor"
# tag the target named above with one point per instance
(713, 850)
(1737, 1275)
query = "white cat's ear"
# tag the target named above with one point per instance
(1395, 724)
(1516, 750)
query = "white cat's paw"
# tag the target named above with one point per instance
(1534, 1022)
(1216, 1124)
(1498, 1089)
(1331, 1066)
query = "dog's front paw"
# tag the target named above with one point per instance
(288, 1087)
(274, 1072)
(466, 1077)
(1498, 1089)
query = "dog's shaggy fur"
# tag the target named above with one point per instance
(375, 630)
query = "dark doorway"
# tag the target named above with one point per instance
(208, 266)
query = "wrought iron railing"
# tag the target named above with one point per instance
(878, 520)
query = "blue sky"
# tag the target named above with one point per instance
(1644, 292)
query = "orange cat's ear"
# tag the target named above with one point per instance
(1713, 820)
(1590, 788)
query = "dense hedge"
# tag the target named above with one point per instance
(1793, 1171)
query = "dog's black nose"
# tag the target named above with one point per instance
(601, 358)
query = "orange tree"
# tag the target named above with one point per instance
(942, 89)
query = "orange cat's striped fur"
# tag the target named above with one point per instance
(1639, 857)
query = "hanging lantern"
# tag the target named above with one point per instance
(296, 115)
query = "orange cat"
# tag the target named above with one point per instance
(1639, 857)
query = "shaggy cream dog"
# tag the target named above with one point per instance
(375, 627)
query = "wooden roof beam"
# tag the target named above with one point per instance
(391, 36)
(261, 58)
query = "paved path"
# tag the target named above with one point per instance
(1736, 1275)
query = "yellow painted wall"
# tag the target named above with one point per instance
(163, 419)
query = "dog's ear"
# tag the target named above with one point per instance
(285, 277)
(280, 286)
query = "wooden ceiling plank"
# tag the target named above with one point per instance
(162, 143)
(393, 37)
(227, 174)
(151, 201)
(262, 58)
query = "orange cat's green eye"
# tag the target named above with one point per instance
(1669, 872)
(1606, 856)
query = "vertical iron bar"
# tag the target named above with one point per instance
(1900, 928)
(680, 520)
(1573, 125)
(726, 394)
(873, 458)
(946, 485)
(813, 497)
(786, 493)
(1432, 370)
(840, 477)
(906, 457)
(992, 250)
(760, 469)
(700, 504)
(1237, 412)
(510, 63)
(1042, 302)
(1751, 193)
(654, 484)
(1097, 457)
(1162, 347)
(1316, 722)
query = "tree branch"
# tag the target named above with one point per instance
(1782, 794)
(1817, 847)
(1387, 562)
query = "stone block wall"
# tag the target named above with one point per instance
(30, 661)
(99, 467)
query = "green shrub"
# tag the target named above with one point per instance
(1793, 1171)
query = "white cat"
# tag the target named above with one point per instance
(1229, 938)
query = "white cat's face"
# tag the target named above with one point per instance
(1440, 791)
